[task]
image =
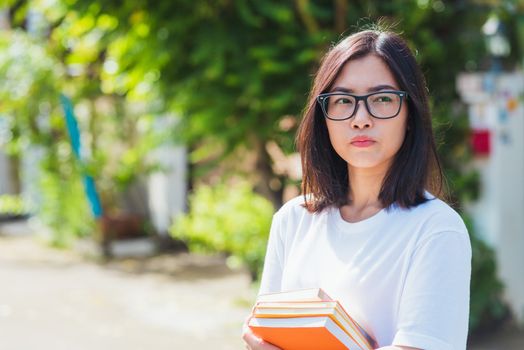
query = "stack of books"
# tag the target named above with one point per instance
(306, 320)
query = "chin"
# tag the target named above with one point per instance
(367, 163)
(363, 165)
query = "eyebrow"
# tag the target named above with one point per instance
(371, 89)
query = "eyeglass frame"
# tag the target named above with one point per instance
(322, 97)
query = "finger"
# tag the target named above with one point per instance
(248, 336)
(256, 343)
(251, 340)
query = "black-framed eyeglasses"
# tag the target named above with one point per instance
(380, 105)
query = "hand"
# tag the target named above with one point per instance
(252, 341)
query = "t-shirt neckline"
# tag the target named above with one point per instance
(358, 226)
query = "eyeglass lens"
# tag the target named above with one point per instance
(380, 105)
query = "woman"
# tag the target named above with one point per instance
(369, 229)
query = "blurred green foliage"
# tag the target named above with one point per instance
(117, 132)
(30, 80)
(29, 94)
(229, 219)
(64, 208)
(12, 205)
(486, 305)
(234, 70)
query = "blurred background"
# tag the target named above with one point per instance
(145, 145)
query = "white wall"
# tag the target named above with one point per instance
(495, 103)
(167, 189)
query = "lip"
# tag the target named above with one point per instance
(362, 141)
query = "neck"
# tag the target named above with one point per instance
(365, 185)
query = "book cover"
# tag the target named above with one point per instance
(303, 333)
(331, 309)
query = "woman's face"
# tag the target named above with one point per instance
(384, 136)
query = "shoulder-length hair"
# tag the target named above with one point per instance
(415, 168)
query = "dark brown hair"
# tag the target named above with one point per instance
(415, 168)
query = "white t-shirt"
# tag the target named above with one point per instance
(403, 275)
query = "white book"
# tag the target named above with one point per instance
(311, 294)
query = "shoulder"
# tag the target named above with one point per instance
(293, 205)
(434, 219)
(438, 215)
(294, 212)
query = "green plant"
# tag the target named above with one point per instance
(486, 306)
(117, 131)
(229, 219)
(64, 208)
(12, 205)
(37, 123)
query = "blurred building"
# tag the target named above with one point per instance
(6, 186)
(496, 114)
(167, 189)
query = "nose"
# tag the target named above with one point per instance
(362, 119)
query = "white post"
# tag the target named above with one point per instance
(495, 105)
(168, 187)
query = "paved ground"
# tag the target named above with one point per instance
(505, 339)
(52, 299)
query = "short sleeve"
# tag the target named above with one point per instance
(274, 261)
(434, 306)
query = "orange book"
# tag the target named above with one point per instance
(303, 333)
(307, 319)
(332, 309)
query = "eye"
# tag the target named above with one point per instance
(383, 98)
(342, 101)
